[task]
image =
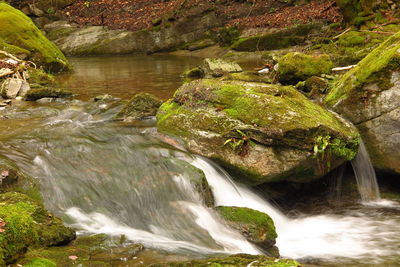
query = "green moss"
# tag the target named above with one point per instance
(40, 77)
(378, 60)
(258, 227)
(20, 231)
(286, 116)
(27, 224)
(277, 40)
(40, 262)
(193, 73)
(297, 66)
(249, 76)
(18, 30)
(61, 32)
(140, 106)
(42, 92)
(239, 260)
(352, 38)
(12, 49)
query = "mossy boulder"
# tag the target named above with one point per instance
(14, 180)
(257, 227)
(40, 262)
(262, 132)
(42, 92)
(297, 66)
(19, 31)
(140, 106)
(239, 260)
(369, 96)
(275, 40)
(249, 76)
(27, 224)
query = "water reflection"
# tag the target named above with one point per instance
(126, 75)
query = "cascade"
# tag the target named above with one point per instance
(104, 178)
(365, 175)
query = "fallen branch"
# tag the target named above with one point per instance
(345, 31)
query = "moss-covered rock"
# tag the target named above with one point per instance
(369, 95)
(261, 131)
(239, 260)
(276, 40)
(40, 262)
(39, 77)
(249, 76)
(216, 67)
(42, 92)
(194, 73)
(13, 180)
(256, 226)
(140, 106)
(19, 31)
(26, 224)
(297, 66)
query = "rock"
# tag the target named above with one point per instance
(250, 76)
(294, 67)
(275, 40)
(257, 227)
(239, 260)
(369, 96)
(44, 92)
(261, 132)
(40, 262)
(12, 87)
(19, 31)
(201, 44)
(215, 67)
(28, 224)
(140, 106)
(98, 40)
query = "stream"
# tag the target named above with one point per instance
(103, 176)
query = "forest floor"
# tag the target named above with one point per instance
(142, 14)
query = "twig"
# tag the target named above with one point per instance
(345, 31)
(10, 56)
(379, 32)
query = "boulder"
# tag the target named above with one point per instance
(19, 31)
(369, 96)
(46, 92)
(140, 106)
(13, 87)
(257, 227)
(261, 132)
(26, 223)
(98, 40)
(295, 66)
(213, 67)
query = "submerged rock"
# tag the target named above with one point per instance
(45, 92)
(140, 106)
(297, 66)
(257, 227)
(17, 30)
(369, 96)
(262, 132)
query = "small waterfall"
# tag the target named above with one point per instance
(365, 175)
(326, 237)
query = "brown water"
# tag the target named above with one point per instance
(125, 76)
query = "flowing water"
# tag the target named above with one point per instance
(113, 178)
(365, 175)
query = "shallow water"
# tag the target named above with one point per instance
(107, 177)
(125, 76)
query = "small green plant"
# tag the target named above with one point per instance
(51, 11)
(321, 151)
(240, 144)
(86, 4)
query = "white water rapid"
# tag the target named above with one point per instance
(326, 237)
